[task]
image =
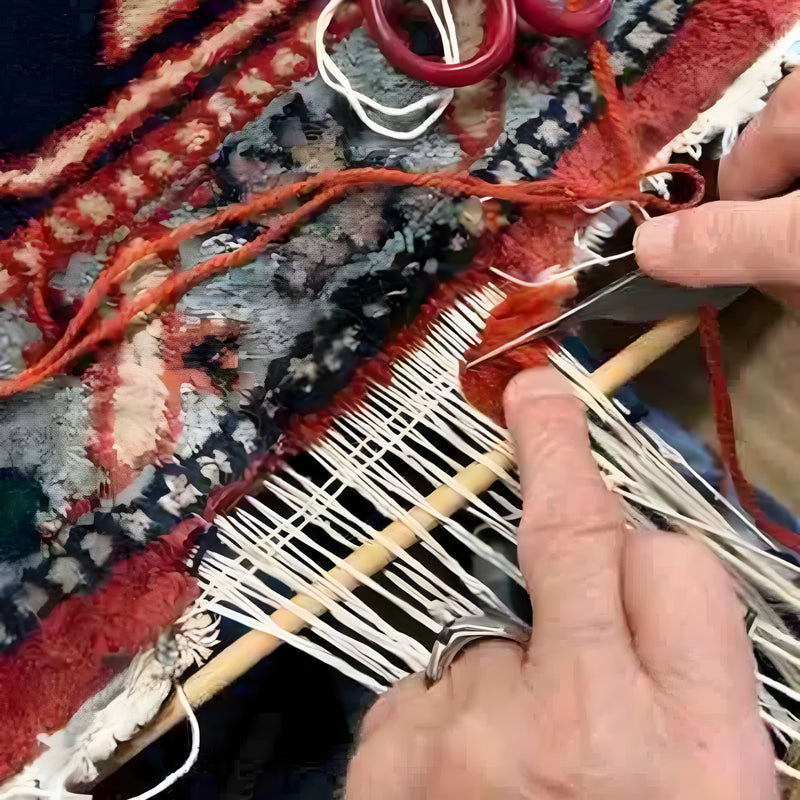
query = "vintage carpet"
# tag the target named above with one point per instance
(125, 427)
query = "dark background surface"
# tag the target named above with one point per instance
(50, 69)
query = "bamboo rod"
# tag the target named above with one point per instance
(371, 558)
(643, 352)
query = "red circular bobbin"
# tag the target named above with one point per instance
(494, 53)
(552, 18)
(549, 17)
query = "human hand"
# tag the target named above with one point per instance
(638, 682)
(751, 236)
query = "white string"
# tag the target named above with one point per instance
(338, 81)
(193, 753)
(781, 726)
(774, 632)
(566, 273)
(785, 769)
(778, 686)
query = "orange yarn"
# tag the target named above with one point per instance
(322, 190)
(572, 185)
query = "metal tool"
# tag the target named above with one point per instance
(636, 297)
(631, 298)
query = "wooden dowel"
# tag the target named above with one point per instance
(371, 558)
(644, 351)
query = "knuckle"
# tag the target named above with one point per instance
(591, 633)
(589, 512)
(399, 753)
(459, 754)
(754, 239)
(557, 438)
(712, 226)
(390, 707)
(378, 715)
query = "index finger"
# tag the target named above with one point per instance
(572, 535)
(765, 161)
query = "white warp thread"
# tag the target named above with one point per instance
(393, 425)
(742, 101)
(338, 81)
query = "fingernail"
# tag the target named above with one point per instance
(540, 382)
(654, 243)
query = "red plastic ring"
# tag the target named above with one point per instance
(495, 51)
(551, 17)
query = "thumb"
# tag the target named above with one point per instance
(725, 243)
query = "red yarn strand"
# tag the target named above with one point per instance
(726, 435)
(323, 189)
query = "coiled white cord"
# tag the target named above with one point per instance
(193, 753)
(338, 81)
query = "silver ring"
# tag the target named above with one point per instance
(467, 630)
